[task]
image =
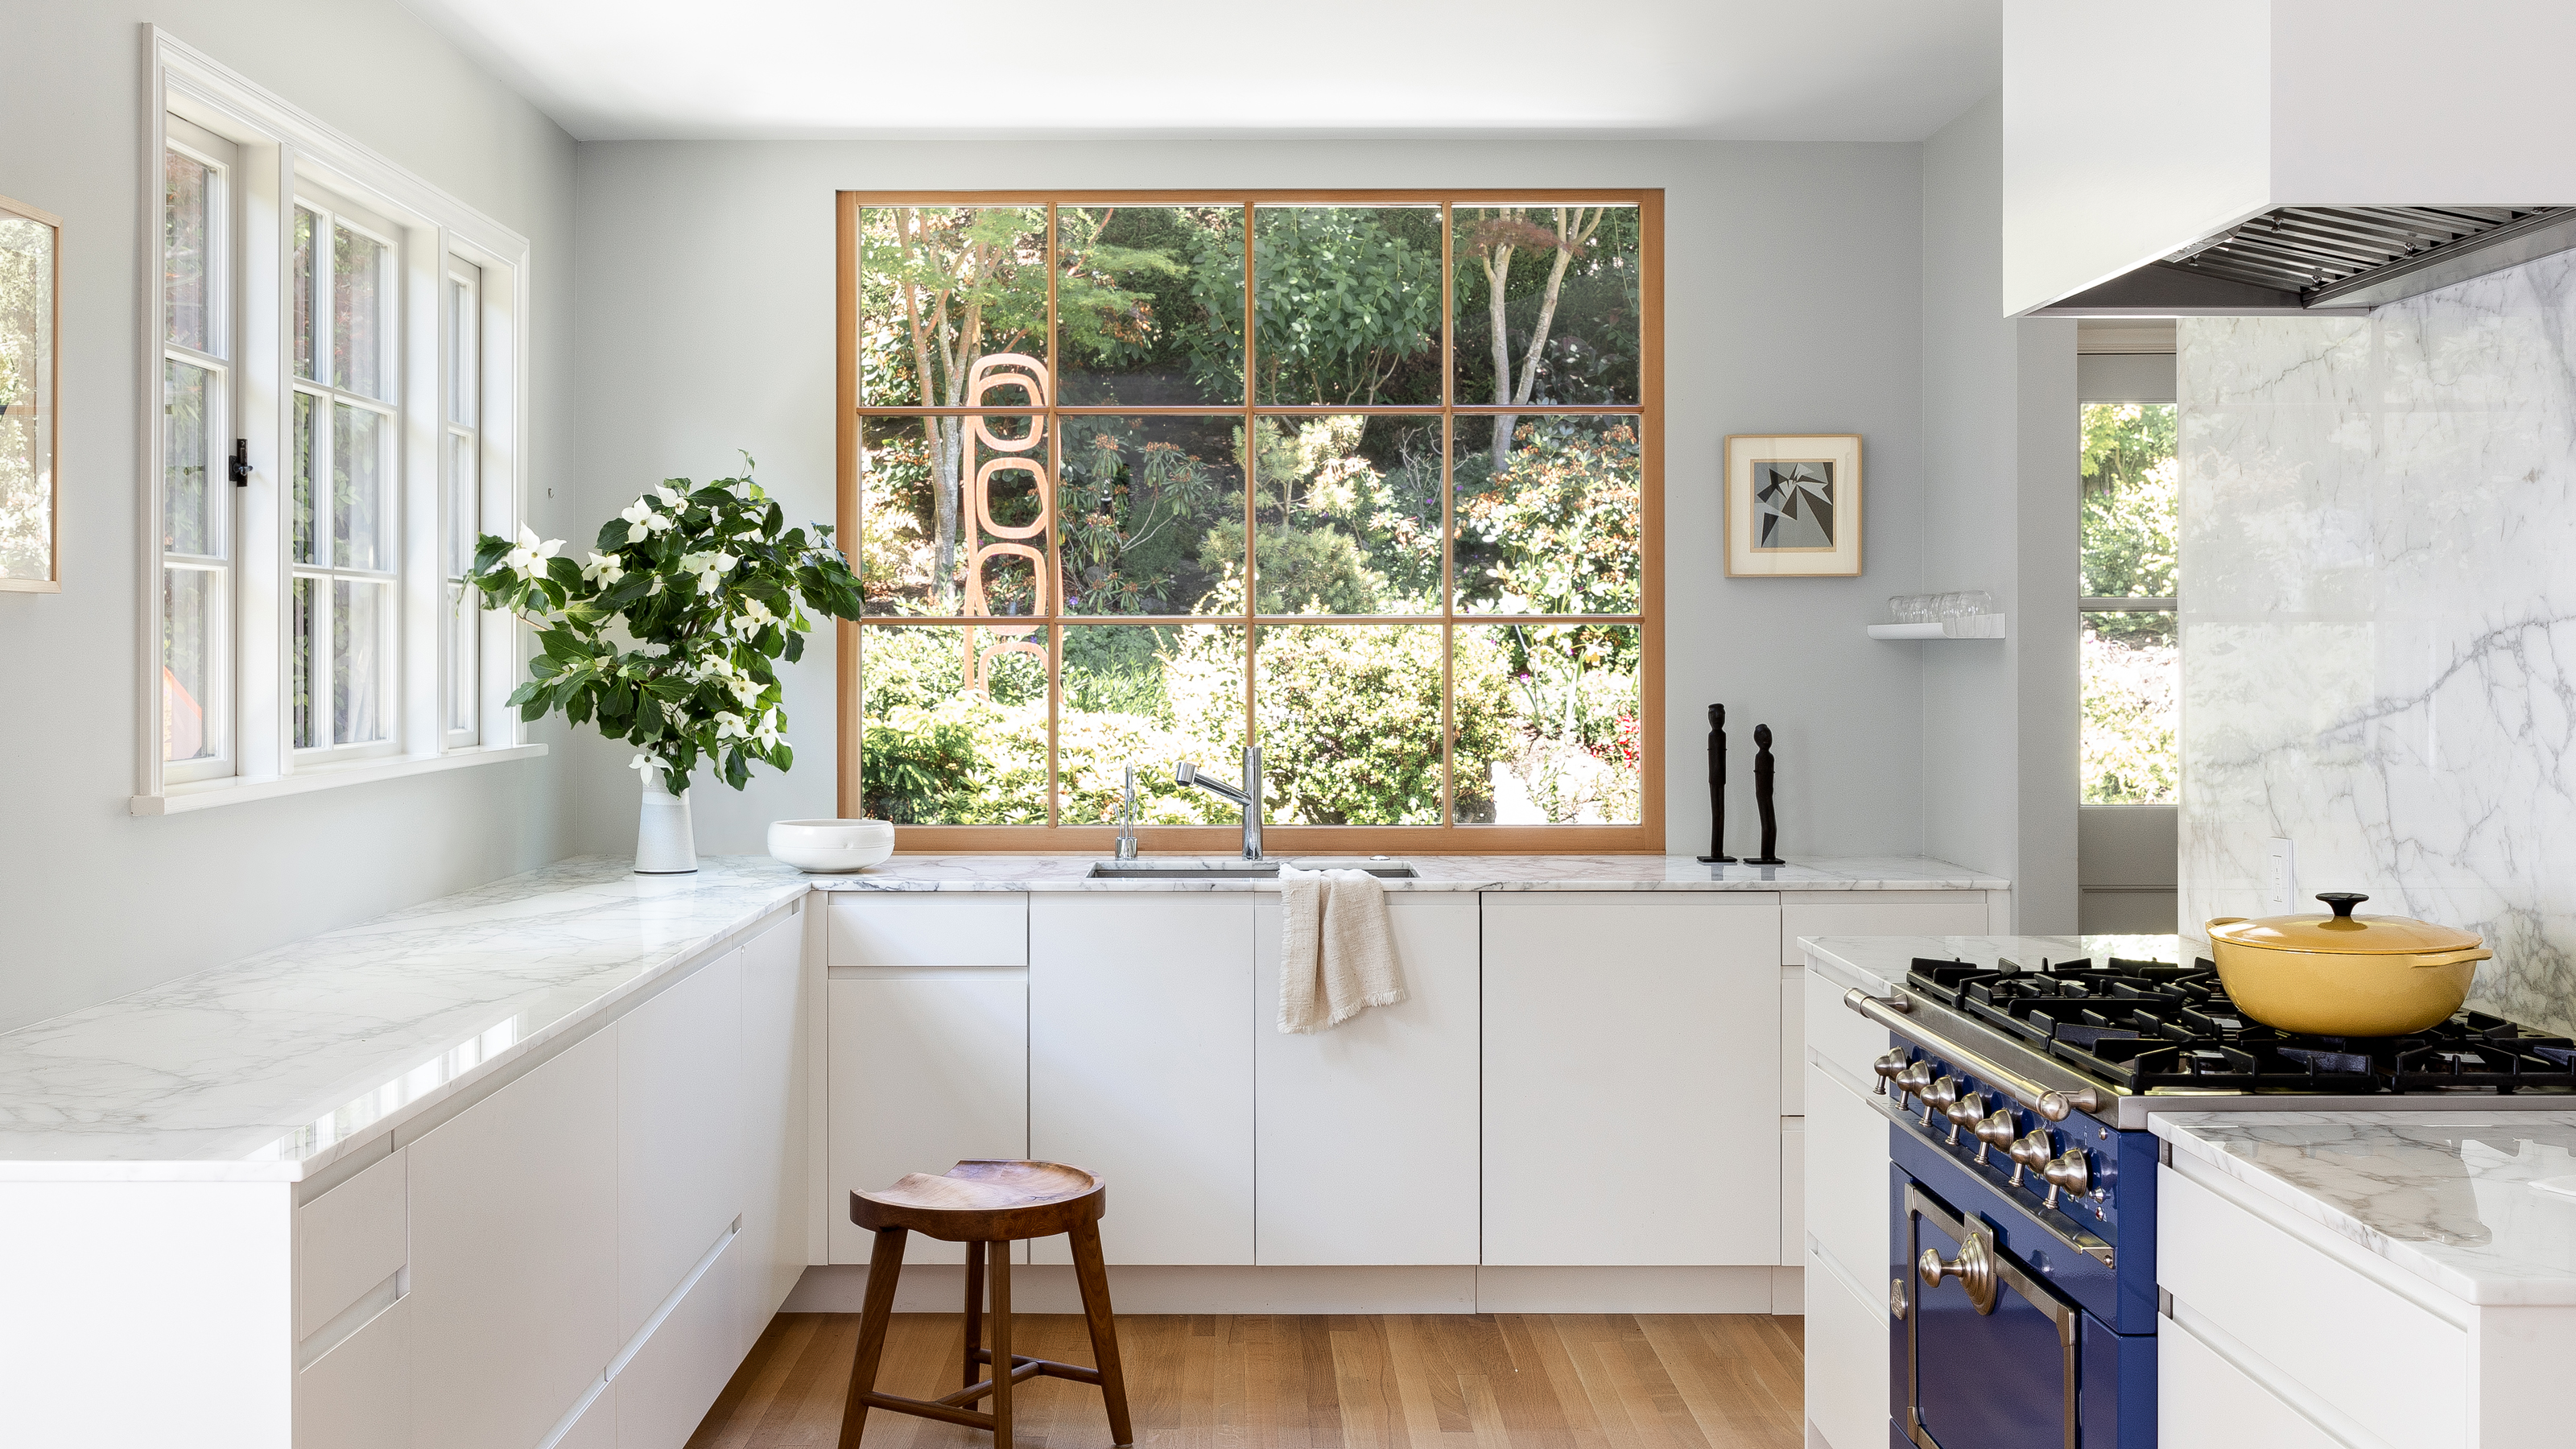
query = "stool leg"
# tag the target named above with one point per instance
(1093, 1276)
(885, 1265)
(1002, 1364)
(974, 1310)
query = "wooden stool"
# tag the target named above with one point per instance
(987, 1206)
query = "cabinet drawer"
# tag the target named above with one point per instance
(1845, 1198)
(1877, 913)
(348, 1241)
(1793, 1191)
(2205, 1402)
(889, 928)
(358, 1396)
(1846, 1040)
(1846, 1362)
(1793, 1041)
(2269, 1290)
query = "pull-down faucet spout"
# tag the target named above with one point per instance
(1247, 798)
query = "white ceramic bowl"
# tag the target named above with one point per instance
(828, 846)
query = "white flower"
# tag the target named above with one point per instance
(767, 730)
(745, 688)
(730, 726)
(528, 560)
(671, 499)
(640, 762)
(642, 520)
(603, 569)
(710, 568)
(755, 616)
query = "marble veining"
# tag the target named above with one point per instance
(2449, 1196)
(1442, 873)
(270, 1066)
(2378, 618)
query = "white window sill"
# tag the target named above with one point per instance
(235, 790)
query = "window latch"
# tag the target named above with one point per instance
(241, 462)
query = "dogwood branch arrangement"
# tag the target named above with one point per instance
(707, 587)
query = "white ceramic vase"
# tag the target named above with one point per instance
(664, 842)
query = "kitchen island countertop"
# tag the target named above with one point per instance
(2453, 1198)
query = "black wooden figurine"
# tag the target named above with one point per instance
(1717, 787)
(1762, 798)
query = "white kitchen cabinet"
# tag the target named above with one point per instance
(1844, 1201)
(1793, 1190)
(666, 1388)
(1876, 913)
(928, 928)
(929, 1066)
(776, 1067)
(1366, 1133)
(349, 1243)
(1845, 1360)
(1631, 1087)
(514, 1254)
(2204, 1401)
(358, 1396)
(1141, 1067)
(680, 1174)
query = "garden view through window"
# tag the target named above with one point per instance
(2131, 657)
(1386, 512)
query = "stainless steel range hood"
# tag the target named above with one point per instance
(2329, 259)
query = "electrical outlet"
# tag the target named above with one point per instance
(2280, 877)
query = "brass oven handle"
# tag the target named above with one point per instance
(1974, 1268)
(2048, 1102)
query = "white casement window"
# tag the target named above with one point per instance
(354, 337)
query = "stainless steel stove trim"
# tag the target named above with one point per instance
(1920, 1205)
(2054, 1104)
(2072, 1236)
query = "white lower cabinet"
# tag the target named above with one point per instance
(929, 1067)
(777, 1064)
(666, 1388)
(680, 1172)
(597, 1426)
(1844, 1203)
(1141, 1067)
(514, 1255)
(1846, 1360)
(1366, 1134)
(2206, 1402)
(1630, 1084)
(358, 1396)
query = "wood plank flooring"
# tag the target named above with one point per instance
(1481, 1381)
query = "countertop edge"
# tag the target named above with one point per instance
(2483, 1292)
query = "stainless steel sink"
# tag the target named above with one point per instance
(1240, 869)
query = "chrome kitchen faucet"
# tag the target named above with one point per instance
(1127, 820)
(1248, 798)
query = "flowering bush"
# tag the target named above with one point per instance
(705, 587)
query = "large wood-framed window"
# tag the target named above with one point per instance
(1391, 512)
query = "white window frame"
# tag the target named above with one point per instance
(460, 498)
(281, 155)
(219, 712)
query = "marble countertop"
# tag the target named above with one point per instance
(273, 1066)
(1441, 873)
(2463, 1200)
(1876, 963)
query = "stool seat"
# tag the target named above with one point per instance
(985, 1201)
(987, 1205)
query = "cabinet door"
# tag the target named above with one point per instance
(1846, 1361)
(1845, 1195)
(2205, 1402)
(1140, 1067)
(667, 1387)
(358, 1396)
(514, 1254)
(1631, 1078)
(1366, 1133)
(929, 1066)
(776, 1061)
(679, 1134)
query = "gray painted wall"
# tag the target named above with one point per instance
(1792, 305)
(2000, 474)
(95, 902)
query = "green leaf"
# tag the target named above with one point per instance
(489, 550)
(524, 693)
(612, 535)
(565, 572)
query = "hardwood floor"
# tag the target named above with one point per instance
(1482, 1381)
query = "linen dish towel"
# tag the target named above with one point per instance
(1337, 950)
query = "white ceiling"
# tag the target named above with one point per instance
(1808, 70)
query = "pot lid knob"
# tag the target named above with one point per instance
(2342, 902)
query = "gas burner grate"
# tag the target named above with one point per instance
(2151, 1025)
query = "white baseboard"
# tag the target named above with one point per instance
(1789, 1292)
(937, 1288)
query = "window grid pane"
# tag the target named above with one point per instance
(1345, 517)
(307, 280)
(359, 294)
(187, 240)
(2129, 748)
(194, 625)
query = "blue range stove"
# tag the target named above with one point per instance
(2021, 1181)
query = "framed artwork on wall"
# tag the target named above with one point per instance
(30, 314)
(1793, 505)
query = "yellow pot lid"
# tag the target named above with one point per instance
(2345, 932)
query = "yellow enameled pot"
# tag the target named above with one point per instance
(2344, 975)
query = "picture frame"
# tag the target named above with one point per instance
(1793, 505)
(31, 314)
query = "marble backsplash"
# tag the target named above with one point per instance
(2379, 616)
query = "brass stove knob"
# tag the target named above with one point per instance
(1964, 1113)
(2069, 1172)
(1995, 1131)
(1974, 1268)
(2030, 1153)
(1938, 1097)
(1912, 1078)
(1889, 1067)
